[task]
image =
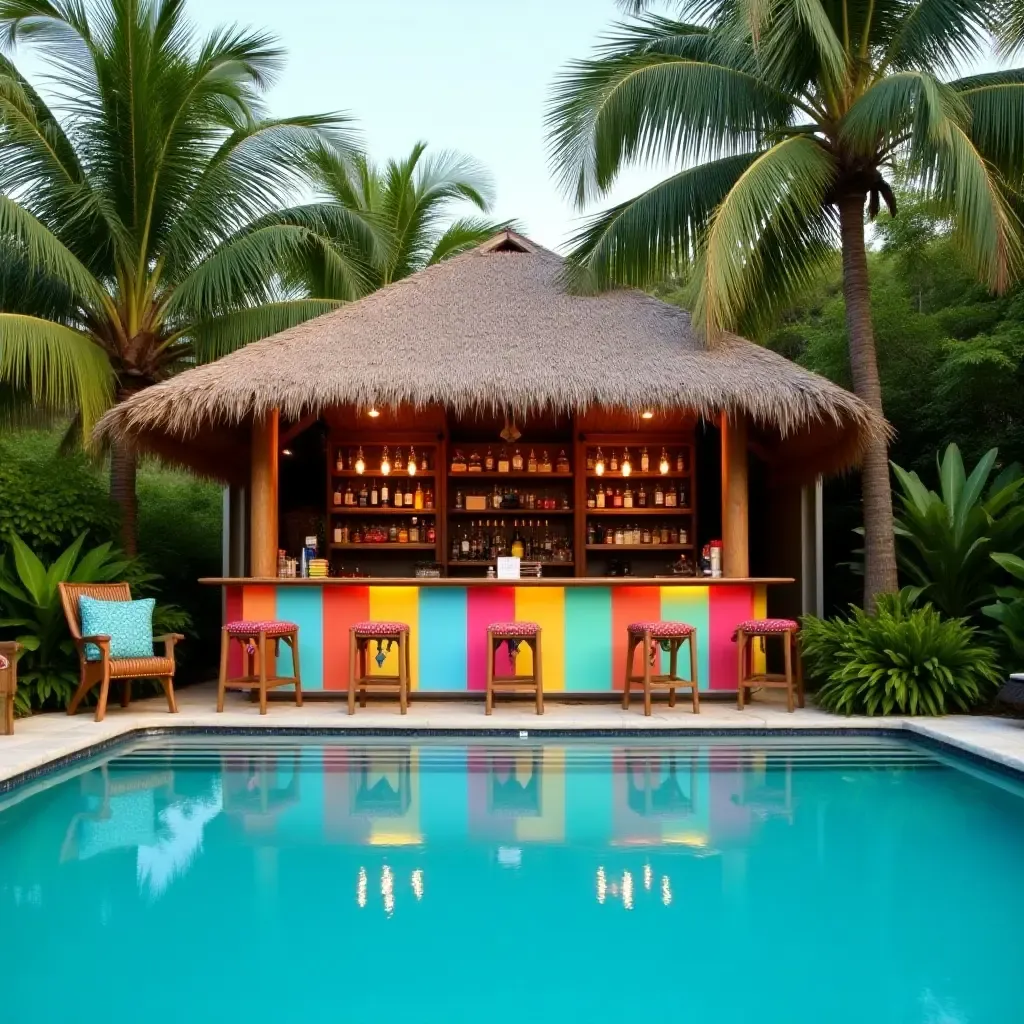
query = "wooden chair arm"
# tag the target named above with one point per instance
(168, 640)
(9, 647)
(101, 640)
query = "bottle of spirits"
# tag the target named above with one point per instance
(591, 498)
(350, 498)
(531, 462)
(517, 461)
(548, 541)
(374, 495)
(590, 460)
(424, 463)
(645, 461)
(613, 465)
(384, 493)
(403, 534)
(431, 534)
(464, 545)
(475, 462)
(428, 498)
(591, 534)
(418, 497)
(456, 549)
(562, 464)
(459, 503)
(337, 494)
(627, 497)
(518, 549)
(617, 499)
(489, 460)
(410, 498)
(393, 533)
(671, 499)
(545, 463)
(659, 496)
(641, 498)
(364, 496)
(600, 498)
(397, 499)
(503, 463)
(339, 462)
(414, 531)
(680, 462)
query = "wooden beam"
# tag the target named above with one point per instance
(263, 533)
(735, 497)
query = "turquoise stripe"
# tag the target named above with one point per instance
(588, 638)
(589, 801)
(692, 605)
(444, 798)
(304, 607)
(443, 663)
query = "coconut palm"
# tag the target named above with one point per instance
(143, 216)
(785, 118)
(407, 208)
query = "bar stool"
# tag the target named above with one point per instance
(513, 634)
(360, 636)
(8, 685)
(253, 638)
(670, 636)
(793, 676)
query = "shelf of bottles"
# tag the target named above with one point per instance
(639, 498)
(510, 500)
(383, 497)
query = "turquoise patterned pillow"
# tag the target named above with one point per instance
(129, 624)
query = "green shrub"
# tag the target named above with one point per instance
(47, 498)
(945, 538)
(1008, 608)
(901, 660)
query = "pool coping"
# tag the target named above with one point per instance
(930, 733)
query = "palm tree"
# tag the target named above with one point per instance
(785, 118)
(143, 217)
(406, 206)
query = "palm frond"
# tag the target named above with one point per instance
(940, 35)
(996, 105)
(464, 234)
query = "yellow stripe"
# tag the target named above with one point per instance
(550, 826)
(760, 612)
(401, 604)
(546, 607)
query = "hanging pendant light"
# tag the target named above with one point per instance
(411, 466)
(385, 462)
(599, 463)
(360, 462)
(373, 413)
(625, 466)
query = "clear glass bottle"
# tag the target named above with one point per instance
(475, 462)
(385, 494)
(459, 503)
(645, 462)
(489, 460)
(562, 464)
(627, 497)
(613, 463)
(364, 495)
(418, 497)
(397, 499)
(410, 498)
(414, 531)
(659, 496)
(680, 462)
(504, 466)
(337, 494)
(599, 498)
(517, 461)
(531, 462)
(545, 462)
(403, 534)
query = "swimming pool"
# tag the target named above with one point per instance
(701, 879)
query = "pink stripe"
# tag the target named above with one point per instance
(728, 607)
(484, 606)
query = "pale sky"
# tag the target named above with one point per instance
(471, 75)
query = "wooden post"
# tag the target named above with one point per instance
(735, 497)
(263, 496)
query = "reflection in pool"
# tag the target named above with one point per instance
(721, 879)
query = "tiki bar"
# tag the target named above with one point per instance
(479, 442)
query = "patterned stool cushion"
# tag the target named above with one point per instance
(4, 663)
(380, 628)
(254, 628)
(661, 629)
(754, 627)
(515, 628)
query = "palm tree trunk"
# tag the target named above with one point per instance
(123, 469)
(879, 539)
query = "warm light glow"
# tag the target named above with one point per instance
(599, 463)
(361, 888)
(385, 462)
(417, 883)
(287, 451)
(647, 415)
(626, 466)
(360, 462)
(663, 466)
(373, 413)
(411, 466)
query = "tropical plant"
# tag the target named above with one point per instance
(406, 206)
(785, 117)
(1008, 608)
(31, 608)
(947, 539)
(900, 660)
(144, 217)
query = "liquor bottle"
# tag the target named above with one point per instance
(458, 499)
(431, 534)
(591, 499)
(418, 497)
(424, 463)
(464, 545)
(599, 501)
(410, 498)
(645, 537)
(414, 531)
(562, 464)
(384, 493)
(339, 462)
(671, 497)
(517, 461)
(609, 497)
(403, 534)
(428, 498)
(645, 461)
(659, 496)
(613, 465)
(503, 464)
(617, 500)
(489, 461)
(531, 462)
(399, 463)
(548, 542)
(518, 549)
(680, 463)
(627, 497)
(364, 495)
(398, 499)
(641, 498)
(456, 549)
(684, 495)
(350, 498)
(475, 462)
(590, 460)
(620, 537)
(374, 495)
(591, 534)
(337, 494)
(545, 463)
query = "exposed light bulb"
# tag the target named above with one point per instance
(360, 462)
(663, 465)
(287, 451)
(647, 415)
(626, 467)
(411, 466)
(599, 463)
(373, 413)
(385, 462)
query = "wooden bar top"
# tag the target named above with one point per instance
(455, 581)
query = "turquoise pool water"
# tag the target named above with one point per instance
(824, 880)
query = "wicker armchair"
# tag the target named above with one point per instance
(91, 673)
(8, 684)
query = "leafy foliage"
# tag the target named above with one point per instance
(1008, 608)
(901, 660)
(31, 607)
(49, 498)
(946, 537)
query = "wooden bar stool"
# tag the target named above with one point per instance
(793, 676)
(513, 634)
(254, 638)
(671, 636)
(8, 685)
(360, 636)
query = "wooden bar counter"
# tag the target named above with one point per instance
(584, 621)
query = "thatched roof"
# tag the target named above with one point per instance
(494, 329)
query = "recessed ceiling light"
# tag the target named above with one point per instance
(374, 412)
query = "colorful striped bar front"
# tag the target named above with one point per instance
(584, 638)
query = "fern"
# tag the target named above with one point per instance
(901, 660)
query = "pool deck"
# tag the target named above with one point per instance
(46, 738)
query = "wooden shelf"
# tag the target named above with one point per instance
(531, 513)
(380, 510)
(393, 545)
(648, 511)
(376, 474)
(517, 475)
(651, 474)
(639, 547)
(474, 563)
